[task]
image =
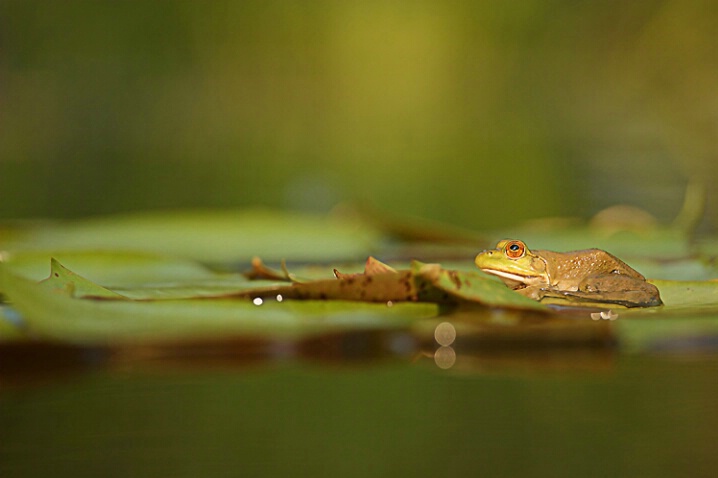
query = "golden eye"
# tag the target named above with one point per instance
(515, 249)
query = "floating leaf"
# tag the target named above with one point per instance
(85, 311)
(682, 298)
(372, 267)
(64, 280)
(260, 271)
(474, 287)
(384, 287)
(217, 237)
(145, 296)
(59, 316)
(236, 287)
(108, 268)
(661, 243)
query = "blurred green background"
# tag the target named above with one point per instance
(481, 114)
(478, 113)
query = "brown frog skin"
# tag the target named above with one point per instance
(590, 275)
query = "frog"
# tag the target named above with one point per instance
(585, 276)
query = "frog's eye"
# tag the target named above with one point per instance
(515, 249)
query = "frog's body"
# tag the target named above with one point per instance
(591, 275)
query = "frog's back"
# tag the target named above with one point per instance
(575, 264)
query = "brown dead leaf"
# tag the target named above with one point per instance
(260, 271)
(393, 286)
(372, 267)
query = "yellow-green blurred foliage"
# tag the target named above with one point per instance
(478, 113)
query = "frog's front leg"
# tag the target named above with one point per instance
(535, 292)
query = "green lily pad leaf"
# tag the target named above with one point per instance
(87, 312)
(474, 287)
(424, 282)
(684, 296)
(235, 287)
(62, 317)
(685, 320)
(64, 280)
(662, 243)
(688, 293)
(108, 268)
(216, 237)
(690, 269)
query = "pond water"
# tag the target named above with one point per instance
(363, 404)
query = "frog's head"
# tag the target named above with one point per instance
(514, 263)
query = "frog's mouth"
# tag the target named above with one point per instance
(520, 280)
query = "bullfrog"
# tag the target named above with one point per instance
(590, 275)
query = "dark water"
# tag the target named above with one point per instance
(344, 405)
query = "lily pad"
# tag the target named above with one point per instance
(108, 268)
(60, 316)
(69, 306)
(217, 237)
(379, 283)
(94, 293)
(65, 281)
(661, 243)
(474, 287)
(693, 294)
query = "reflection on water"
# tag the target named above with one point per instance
(604, 315)
(445, 356)
(466, 341)
(158, 412)
(444, 397)
(470, 343)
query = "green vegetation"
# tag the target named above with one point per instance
(105, 282)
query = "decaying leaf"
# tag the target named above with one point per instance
(372, 267)
(260, 271)
(397, 286)
(379, 283)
